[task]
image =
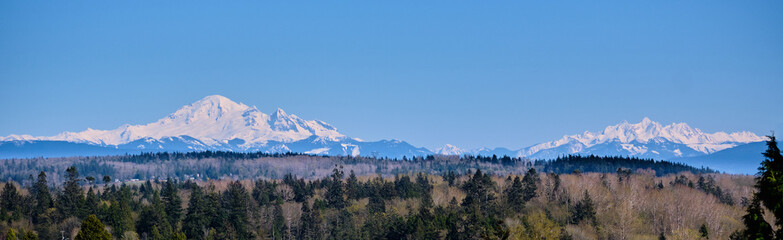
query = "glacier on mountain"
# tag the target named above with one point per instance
(646, 139)
(213, 121)
(217, 123)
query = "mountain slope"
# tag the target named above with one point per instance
(647, 139)
(212, 123)
(217, 123)
(212, 120)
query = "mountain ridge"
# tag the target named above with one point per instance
(218, 123)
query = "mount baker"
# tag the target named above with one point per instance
(217, 123)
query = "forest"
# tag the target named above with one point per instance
(435, 197)
(210, 165)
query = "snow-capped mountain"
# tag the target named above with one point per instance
(217, 123)
(449, 149)
(212, 120)
(646, 139)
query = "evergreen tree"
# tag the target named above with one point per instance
(9, 198)
(315, 224)
(92, 229)
(514, 197)
(153, 217)
(236, 204)
(120, 217)
(172, 202)
(303, 232)
(71, 200)
(479, 190)
(42, 197)
(106, 180)
(770, 183)
(530, 182)
(279, 226)
(450, 177)
(92, 202)
(334, 195)
(196, 222)
(584, 210)
(214, 211)
(352, 186)
(425, 190)
(343, 226)
(755, 225)
(376, 203)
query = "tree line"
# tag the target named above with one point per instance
(465, 205)
(217, 165)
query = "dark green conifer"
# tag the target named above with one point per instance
(770, 183)
(335, 192)
(92, 229)
(530, 182)
(172, 201)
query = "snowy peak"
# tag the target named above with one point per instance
(632, 138)
(213, 120)
(449, 149)
(210, 108)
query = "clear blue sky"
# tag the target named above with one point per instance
(490, 73)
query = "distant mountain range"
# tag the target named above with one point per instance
(646, 139)
(217, 123)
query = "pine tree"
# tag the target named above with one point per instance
(9, 198)
(315, 224)
(106, 180)
(479, 190)
(770, 183)
(279, 226)
(120, 217)
(236, 204)
(92, 229)
(352, 186)
(91, 202)
(530, 182)
(514, 197)
(195, 219)
(172, 202)
(42, 197)
(334, 195)
(584, 210)
(425, 190)
(71, 200)
(303, 232)
(755, 225)
(376, 203)
(153, 217)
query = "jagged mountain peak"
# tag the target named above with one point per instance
(213, 120)
(279, 112)
(631, 138)
(210, 107)
(449, 149)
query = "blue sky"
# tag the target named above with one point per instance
(497, 73)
